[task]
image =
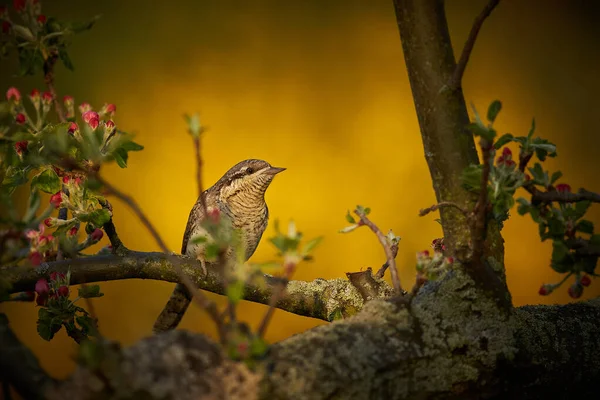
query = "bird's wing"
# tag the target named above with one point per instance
(195, 218)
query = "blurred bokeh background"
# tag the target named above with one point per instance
(321, 88)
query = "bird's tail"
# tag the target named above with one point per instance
(171, 315)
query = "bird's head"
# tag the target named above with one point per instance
(247, 180)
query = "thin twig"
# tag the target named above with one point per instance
(49, 62)
(442, 204)
(389, 254)
(386, 265)
(456, 79)
(277, 295)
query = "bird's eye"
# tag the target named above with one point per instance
(249, 171)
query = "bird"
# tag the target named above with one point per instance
(239, 195)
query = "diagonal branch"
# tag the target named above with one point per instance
(19, 366)
(316, 299)
(456, 79)
(564, 197)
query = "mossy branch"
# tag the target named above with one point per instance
(317, 299)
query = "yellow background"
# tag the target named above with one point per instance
(319, 87)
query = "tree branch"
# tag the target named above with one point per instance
(456, 79)
(316, 299)
(564, 197)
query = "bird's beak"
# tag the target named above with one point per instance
(274, 170)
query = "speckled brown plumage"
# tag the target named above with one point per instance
(239, 196)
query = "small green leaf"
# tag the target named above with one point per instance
(78, 27)
(524, 206)
(471, 177)
(132, 146)
(585, 226)
(235, 291)
(310, 246)
(47, 181)
(47, 325)
(23, 32)
(493, 110)
(199, 239)
(561, 260)
(279, 242)
(532, 130)
(32, 206)
(89, 291)
(348, 228)
(350, 218)
(64, 57)
(87, 324)
(194, 126)
(121, 157)
(97, 217)
(211, 251)
(367, 211)
(555, 176)
(502, 140)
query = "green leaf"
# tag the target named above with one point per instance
(482, 131)
(78, 27)
(538, 174)
(350, 218)
(194, 125)
(581, 208)
(532, 130)
(199, 239)
(89, 291)
(87, 324)
(14, 177)
(348, 228)
(211, 251)
(23, 32)
(64, 57)
(47, 325)
(561, 259)
(47, 181)
(524, 206)
(131, 146)
(585, 226)
(493, 110)
(310, 246)
(367, 211)
(502, 140)
(31, 61)
(235, 291)
(555, 176)
(32, 206)
(97, 217)
(121, 157)
(279, 242)
(471, 177)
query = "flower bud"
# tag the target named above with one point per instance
(13, 94)
(84, 107)
(96, 235)
(450, 260)
(47, 98)
(45, 240)
(575, 290)
(73, 128)
(66, 179)
(69, 106)
(55, 276)
(42, 287)
(585, 280)
(63, 291)
(20, 118)
(72, 231)
(50, 222)
(56, 199)
(34, 96)
(35, 258)
(545, 290)
(91, 118)
(563, 188)
(108, 109)
(41, 19)
(214, 214)
(21, 147)
(109, 128)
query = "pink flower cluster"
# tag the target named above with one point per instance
(56, 288)
(506, 158)
(40, 245)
